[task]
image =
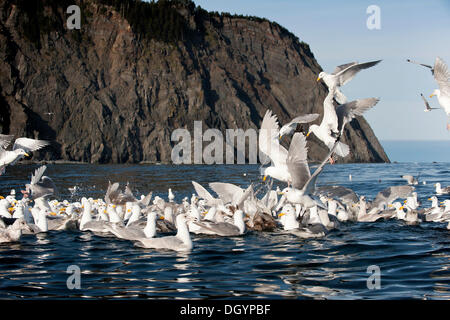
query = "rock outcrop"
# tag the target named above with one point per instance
(108, 93)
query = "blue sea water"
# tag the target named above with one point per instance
(414, 261)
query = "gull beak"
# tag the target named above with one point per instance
(26, 154)
(280, 193)
(318, 79)
(429, 199)
(162, 217)
(404, 201)
(432, 95)
(281, 214)
(2, 197)
(279, 137)
(402, 207)
(264, 179)
(53, 213)
(442, 202)
(309, 132)
(390, 205)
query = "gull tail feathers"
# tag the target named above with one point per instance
(342, 149)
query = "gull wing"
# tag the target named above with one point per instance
(204, 194)
(342, 193)
(268, 140)
(343, 67)
(346, 112)
(442, 76)
(227, 192)
(5, 140)
(297, 161)
(28, 144)
(350, 72)
(307, 118)
(390, 194)
(37, 175)
(112, 193)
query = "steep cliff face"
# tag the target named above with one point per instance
(106, 93)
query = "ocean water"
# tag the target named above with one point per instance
(414, 261)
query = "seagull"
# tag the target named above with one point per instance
(334, 120)
(422, 64)
(180, 242)
(442, 77)
(40, 185)
(440, 190)
(20, 149)
(343, 74)
(427, 105)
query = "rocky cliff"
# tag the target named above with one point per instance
(114, 90)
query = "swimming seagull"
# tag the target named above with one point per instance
(427, 105)
(440, 190)
(180, 242)
(343, 74)
(290, 127)
(442, 77)
(14, 231)
(20, 149)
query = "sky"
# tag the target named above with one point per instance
(337, 33)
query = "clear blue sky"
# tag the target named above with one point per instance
(336, 32)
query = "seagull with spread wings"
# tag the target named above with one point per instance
(442, 77)
(20, 149)
(343, 74)
(334, 121)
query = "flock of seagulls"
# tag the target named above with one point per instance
(227, 210)
(442, 76)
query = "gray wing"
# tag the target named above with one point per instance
(38, 174)
(346, 112)
(297, 161)
(304, 119)
(28, 144)
(342, 193)
(442, 76)
(227, 192)
(390, 194)
(350, 72)
(112, 193)
(45, 187)
(147, 199)
(343, 67)
(5, 140)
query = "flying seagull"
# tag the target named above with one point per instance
(427, 105)
(422, 64)
(20, 149)
(343, 74)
